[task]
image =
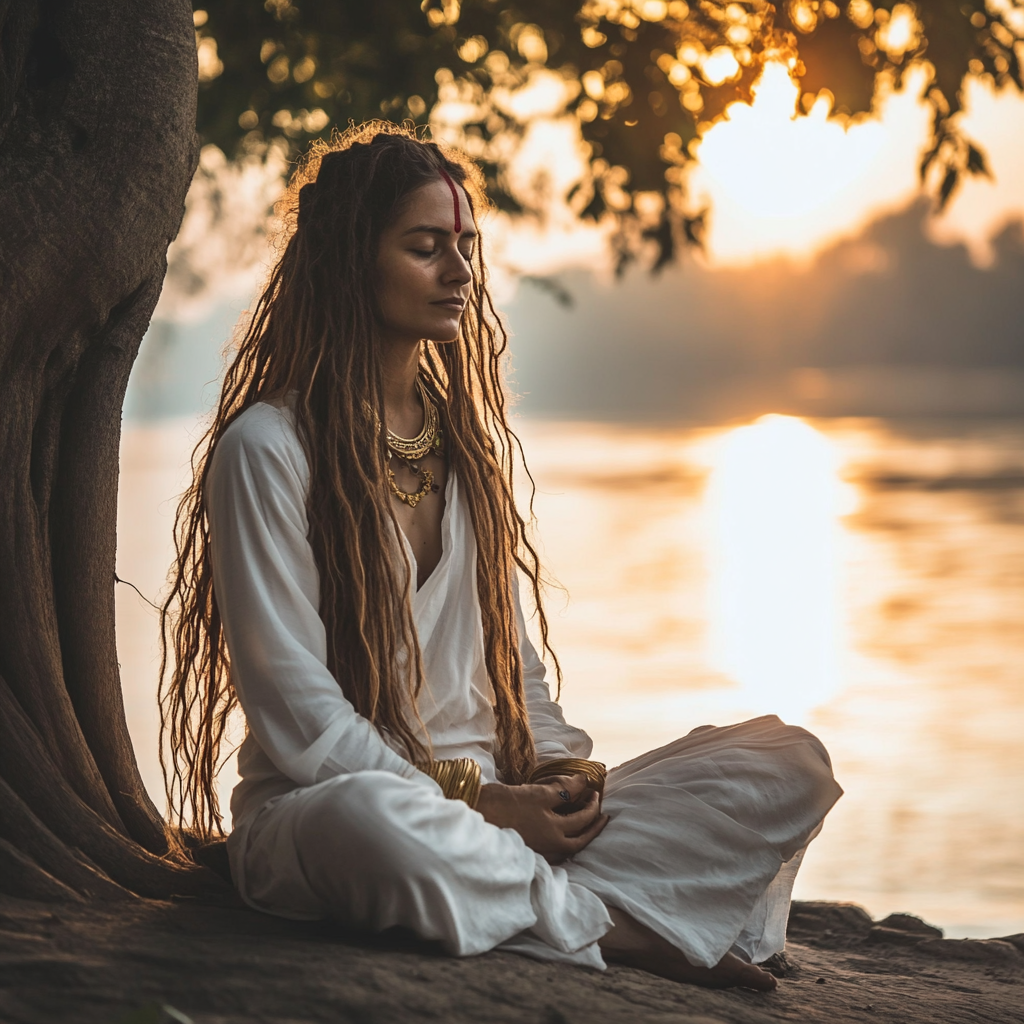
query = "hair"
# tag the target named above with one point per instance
(314, 332)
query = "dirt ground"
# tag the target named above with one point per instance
(148, 962)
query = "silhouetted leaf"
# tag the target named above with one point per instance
(553, 287)
(976, 162)
(694, 227)
(948, 184)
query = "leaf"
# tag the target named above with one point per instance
(664, 237)
(553, 287)
(976, 162)
(948, 184)
(694, 228)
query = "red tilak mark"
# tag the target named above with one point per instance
(455, 200)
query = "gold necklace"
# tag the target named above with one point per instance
(411, 498)
(411, 450)
(429, 439)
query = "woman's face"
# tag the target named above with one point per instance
(423, 266)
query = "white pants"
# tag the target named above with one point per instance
(705, 838)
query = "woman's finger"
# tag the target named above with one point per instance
(565, 789)
(576, 822)
(577, 843)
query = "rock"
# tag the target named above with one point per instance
(143, 961)
(881, 936)
(1014, 940)
(977, 950)
(782, 965)
(911, 923)
(155, 1013)
(902, 930)
(676, 1018)
(813, 920)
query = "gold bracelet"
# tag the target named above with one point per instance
(459, 778)
(594, 771)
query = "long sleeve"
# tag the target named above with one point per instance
(552, 736)
(267, 589)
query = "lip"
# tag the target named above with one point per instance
(451, 304)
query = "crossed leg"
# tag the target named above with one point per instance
(634, 945)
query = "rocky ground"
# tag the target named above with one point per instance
(171, 963)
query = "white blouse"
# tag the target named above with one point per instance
(301, 728)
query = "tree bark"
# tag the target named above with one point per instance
(97, 148)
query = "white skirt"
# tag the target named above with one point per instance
(705, 838)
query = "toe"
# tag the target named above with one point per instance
(760, 980)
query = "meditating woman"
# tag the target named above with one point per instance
(348, 566)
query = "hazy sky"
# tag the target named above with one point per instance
(776, 184)
(821, 336)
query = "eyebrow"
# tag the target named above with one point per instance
(427, 229)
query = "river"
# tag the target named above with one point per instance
(864, 578)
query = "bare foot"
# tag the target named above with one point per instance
(634, 945)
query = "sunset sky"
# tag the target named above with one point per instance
(778, 184)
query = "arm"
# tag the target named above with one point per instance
(267, 590)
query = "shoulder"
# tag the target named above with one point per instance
(262, 441)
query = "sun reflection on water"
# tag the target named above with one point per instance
(774, 500)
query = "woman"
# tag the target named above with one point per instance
(347, 572)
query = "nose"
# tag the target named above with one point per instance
(458, 271)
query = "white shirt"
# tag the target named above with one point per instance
(301, 728)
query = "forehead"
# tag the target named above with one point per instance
(432, 204)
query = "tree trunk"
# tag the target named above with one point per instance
(97, 148)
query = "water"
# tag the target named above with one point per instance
(860, 577)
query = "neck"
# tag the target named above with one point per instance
(403, 412)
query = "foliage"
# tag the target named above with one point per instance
(644, 78)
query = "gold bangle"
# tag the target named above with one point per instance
(459, 778)
(595, 771)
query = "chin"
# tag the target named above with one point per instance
(443, 334)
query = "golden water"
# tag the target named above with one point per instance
(862, 578)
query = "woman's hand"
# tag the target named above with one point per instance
(533, 811)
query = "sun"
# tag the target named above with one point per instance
(781, 182)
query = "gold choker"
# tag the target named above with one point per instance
(429, 439)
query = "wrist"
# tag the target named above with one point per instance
(594, 771)
(492, 803)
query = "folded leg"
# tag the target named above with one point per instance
(374, 850)
(706, 834)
